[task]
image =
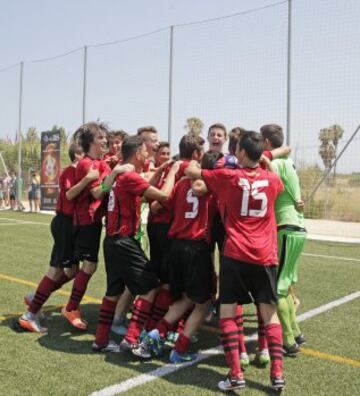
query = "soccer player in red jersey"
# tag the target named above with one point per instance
(63, 264)
(190, 147)
(190, 265)
(125, 262)
(88, 213)
(115, 141)
(248, 263)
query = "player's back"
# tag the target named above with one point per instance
(189, 213)
(246, 200)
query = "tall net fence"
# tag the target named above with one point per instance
(242, 70)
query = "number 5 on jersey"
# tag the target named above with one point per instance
(194, 201)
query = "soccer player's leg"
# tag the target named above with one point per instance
(233, 291)
(263, 290)
(115, 287)
(141, 280)
(291, 244)
(87, 243)
(198, 287)
(61, 258)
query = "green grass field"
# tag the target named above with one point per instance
(61, 362)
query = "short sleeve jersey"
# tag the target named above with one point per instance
(66, 181)
(285, 210)
(88, 210)
(190, 214)
(123, 211)
(246, 200)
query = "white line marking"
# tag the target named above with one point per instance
(331, 257)
(171, 368)
(16, 221)
(333, 238)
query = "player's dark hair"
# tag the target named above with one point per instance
(130, 146)
(117, 134)
(234, 138)
(74, 149)
(217, 125)
(163, 144)
(146, 129)
(188, 144)
(85, 134)
(210, 158)
(273, 133)
(253, 144)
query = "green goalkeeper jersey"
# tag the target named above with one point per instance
(285, 209)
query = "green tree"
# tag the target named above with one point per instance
(194, 126)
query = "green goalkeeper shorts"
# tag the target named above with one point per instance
(290, 245)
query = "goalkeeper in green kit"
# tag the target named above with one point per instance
(291, 239)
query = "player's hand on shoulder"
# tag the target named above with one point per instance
(176, 166)
(119, 169)
(92, 174)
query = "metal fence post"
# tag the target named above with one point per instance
(84, 85)
(170, 85)
(19, 182)
(288, 90)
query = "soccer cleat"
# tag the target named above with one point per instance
(30, 322)
(141, 351)
(244, 360)
(300, 340)
(176, 357)
(119, 327)
(125, 345)
(277, 383)
(111, 346)
(171, 337)
(27, 301)
(263, 357)
(230, 383)
(74, 318)
(154, 342)
(291, 350)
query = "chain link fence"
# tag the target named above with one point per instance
(291, 62)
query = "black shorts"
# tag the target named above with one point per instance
(127, 265)
(62, 254)
(190, 270)
(87, 242)
(217, 234)
(159, 249)
(246, 283)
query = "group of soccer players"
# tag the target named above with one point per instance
(247, 201)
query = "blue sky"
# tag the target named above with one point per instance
(231, 70)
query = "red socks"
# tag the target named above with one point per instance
(230, 342)
(105, 320)
(43, 291)
(163, 326)
(240, 325)
(140, 315)
(159, 308)
(64, 279)
(182, 344)
(262, 341)
(275, 340)
(78, 290)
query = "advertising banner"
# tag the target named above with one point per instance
(50, 169)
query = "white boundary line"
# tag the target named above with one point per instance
(330, 257)
(171, 368)
(17, 221)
